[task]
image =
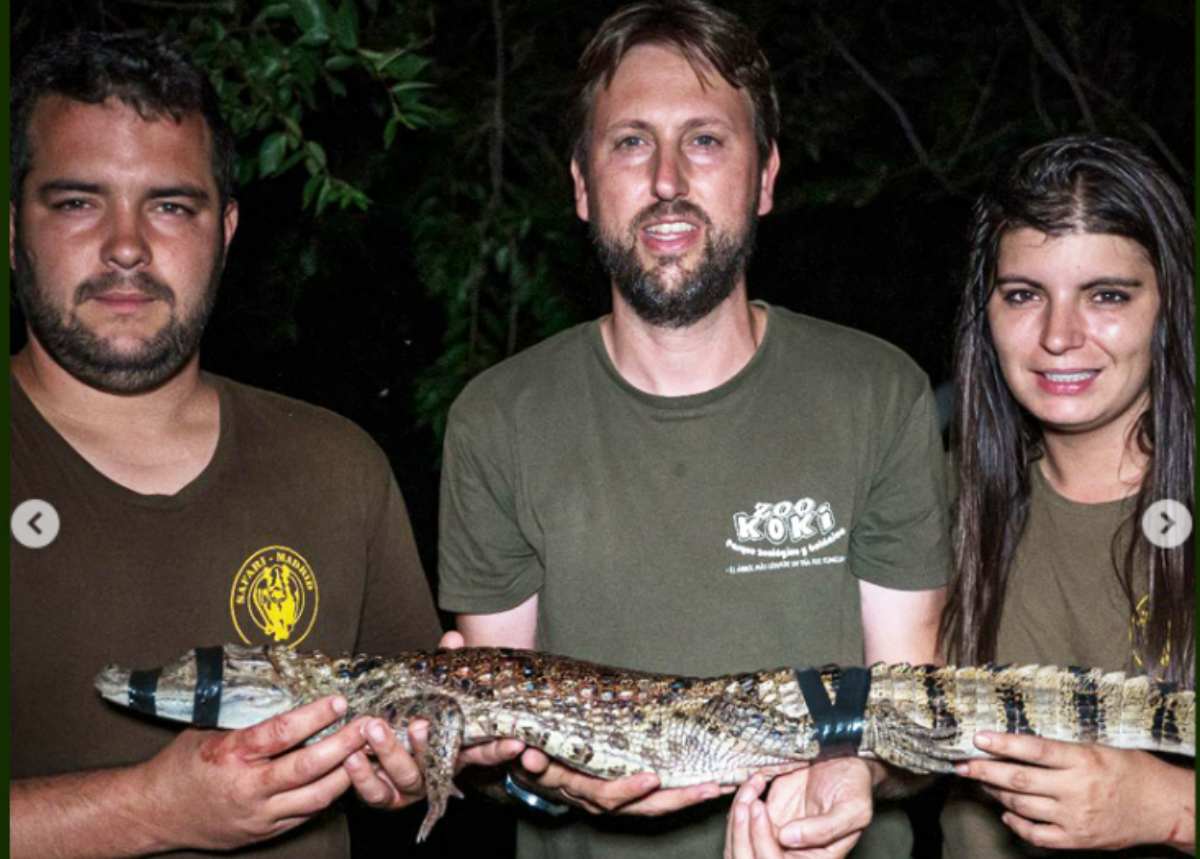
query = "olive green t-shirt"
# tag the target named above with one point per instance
(1064, 605)
(295, 499)
(705, 534)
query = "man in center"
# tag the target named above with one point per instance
(695, 483)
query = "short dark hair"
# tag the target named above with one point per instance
(151, 73)
(704, 34)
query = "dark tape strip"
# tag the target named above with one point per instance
(210, 666)
(838, 727)
(142, 688)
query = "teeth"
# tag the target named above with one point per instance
(1070, 377)
(674, 227)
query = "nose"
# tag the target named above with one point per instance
(670, 179)
(126, 246)
(1063, 329)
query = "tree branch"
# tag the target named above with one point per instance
(1145, 127)
(1035, 92)
(905, 123)
(1047, 51)
(985, 96)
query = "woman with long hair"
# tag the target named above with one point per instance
(1074, 374)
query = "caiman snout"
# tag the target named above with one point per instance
(209, 687)
(113, 684)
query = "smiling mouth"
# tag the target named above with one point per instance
(1068, 377)
(671, 229)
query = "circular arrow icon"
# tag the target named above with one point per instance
(1167, 523)
(34, 523)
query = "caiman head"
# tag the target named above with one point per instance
(213, 687)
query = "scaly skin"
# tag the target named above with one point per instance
(612, 722)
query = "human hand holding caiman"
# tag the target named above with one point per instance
(612, 722)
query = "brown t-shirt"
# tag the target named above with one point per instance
(293, 492)
(1064, 605)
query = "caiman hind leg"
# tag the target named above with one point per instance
(897, 739)
(446, 721)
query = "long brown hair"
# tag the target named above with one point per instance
(1089, 185)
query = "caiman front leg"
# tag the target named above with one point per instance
(441, 749)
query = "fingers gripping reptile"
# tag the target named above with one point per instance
(613, 722)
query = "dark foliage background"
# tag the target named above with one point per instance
(406, 216)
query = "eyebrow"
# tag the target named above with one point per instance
(688, 125)
(192, 192)
(1131, 282)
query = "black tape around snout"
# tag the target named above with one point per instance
(210, 666)
(143, 687)
(838, 726)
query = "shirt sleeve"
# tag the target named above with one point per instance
(487, 561)
(902, 539)
(397, 612)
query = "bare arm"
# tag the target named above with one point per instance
(100, 813)
(205, 789)
(899, 626)
(516, 627)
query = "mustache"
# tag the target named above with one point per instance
(666, 209)
(112, 281)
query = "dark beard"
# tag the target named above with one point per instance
(700, 292)
(89, 358)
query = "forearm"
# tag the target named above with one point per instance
(81, 815)
(1176, 794)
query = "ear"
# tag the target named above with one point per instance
(581, 191)
(230, 218)
(766, 191)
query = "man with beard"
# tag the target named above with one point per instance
(182, 497)
(695, 483)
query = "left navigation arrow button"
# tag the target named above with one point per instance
(34, 523)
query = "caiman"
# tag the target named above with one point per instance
(612, 722)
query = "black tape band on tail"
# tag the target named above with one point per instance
(210, 665)
(143, 685)
(839, 726)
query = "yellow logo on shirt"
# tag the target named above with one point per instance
(1137, 627)
(274, 597)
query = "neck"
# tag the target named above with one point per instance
(62, 397)
(153, 443)
(676, 362)
(1093, 468)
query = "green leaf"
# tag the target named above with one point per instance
(312, 16)
(313, 38)
(310, 188)
(344, 25)
(380, 60)
(316, 152)
(270, 154)
(324, 194)
(273, 10)
(396, 89)
(339, 62)
(404, 66)
(389, 131)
